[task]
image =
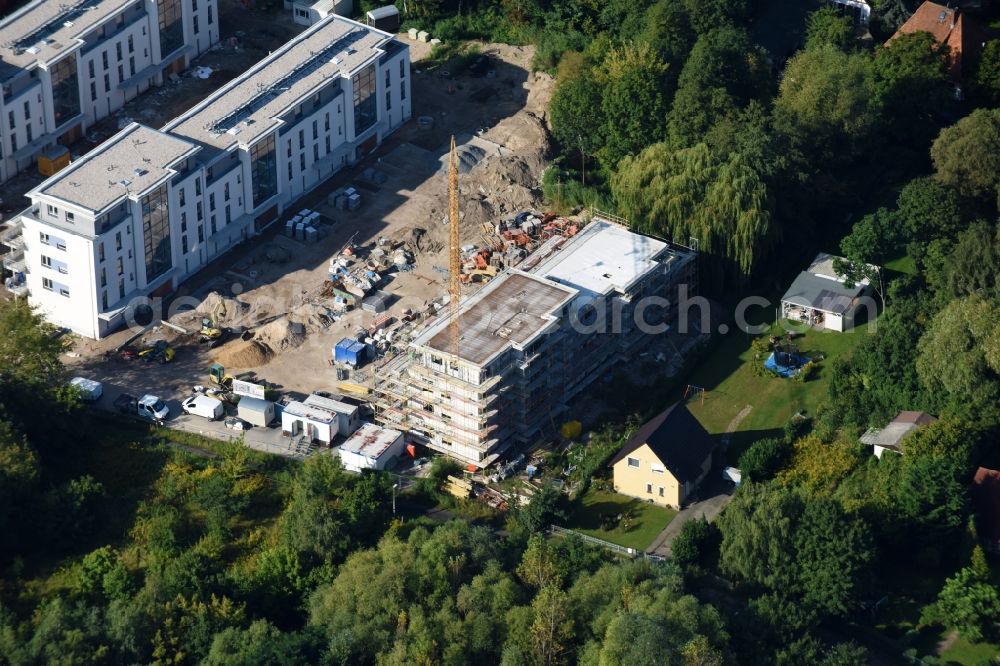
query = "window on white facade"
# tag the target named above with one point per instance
(70, 217)
(46, 261)
(633, 462)
(64, 291)
(47, 284)
(44, 238)
(53, 211)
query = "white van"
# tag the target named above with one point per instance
(89, 389)
(203, 405)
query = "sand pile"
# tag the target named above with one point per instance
(228, 311)
(243, 354)
(476, 212)
(281, 334)
(498, 172)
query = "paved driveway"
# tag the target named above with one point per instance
(714, 496)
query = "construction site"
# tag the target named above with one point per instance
(474, 316)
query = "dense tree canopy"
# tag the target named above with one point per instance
(691, 193)
(967, 155)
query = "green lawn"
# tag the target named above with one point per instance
(647, 519)
(904, 264)
(966, 653)
(731, 386)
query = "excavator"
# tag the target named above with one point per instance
(218, 375)
(210, 329)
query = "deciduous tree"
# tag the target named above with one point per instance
(967, 155)
(827, 26)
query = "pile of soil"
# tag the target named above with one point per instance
(241, 354)
(281, 334)
(228, 310)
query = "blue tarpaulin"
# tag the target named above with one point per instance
(789, 366)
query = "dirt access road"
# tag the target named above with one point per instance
(500, 112)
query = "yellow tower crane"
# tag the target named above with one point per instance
(454, 246)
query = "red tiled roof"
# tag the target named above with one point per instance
(933, 18)
(947, 26)
(986, 503)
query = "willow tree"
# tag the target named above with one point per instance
(691, 193)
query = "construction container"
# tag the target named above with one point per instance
(343, 374)
(350, 299)
(311, 235)
(52, 160)
(290, 229)
(255, 411)
(300, 231)
(350, 351)
(354, 202)
(384, 18)
(377, 302)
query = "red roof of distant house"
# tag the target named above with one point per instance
(986, 502)
(948, 26)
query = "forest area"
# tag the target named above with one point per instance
(122, 545)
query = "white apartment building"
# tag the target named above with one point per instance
(65, 65)
(139, 214)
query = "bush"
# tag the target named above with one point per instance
(565, 193)
(697, 544)
(807, 371)
(764, 458)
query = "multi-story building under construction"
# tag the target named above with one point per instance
(531, 340)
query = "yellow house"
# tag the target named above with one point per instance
(665, 460)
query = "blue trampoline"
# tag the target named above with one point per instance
(785, 364)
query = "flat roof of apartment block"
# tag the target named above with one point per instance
(603, 258)
(512, 309)
(132, 161)
(45, 29)
(249, 106)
